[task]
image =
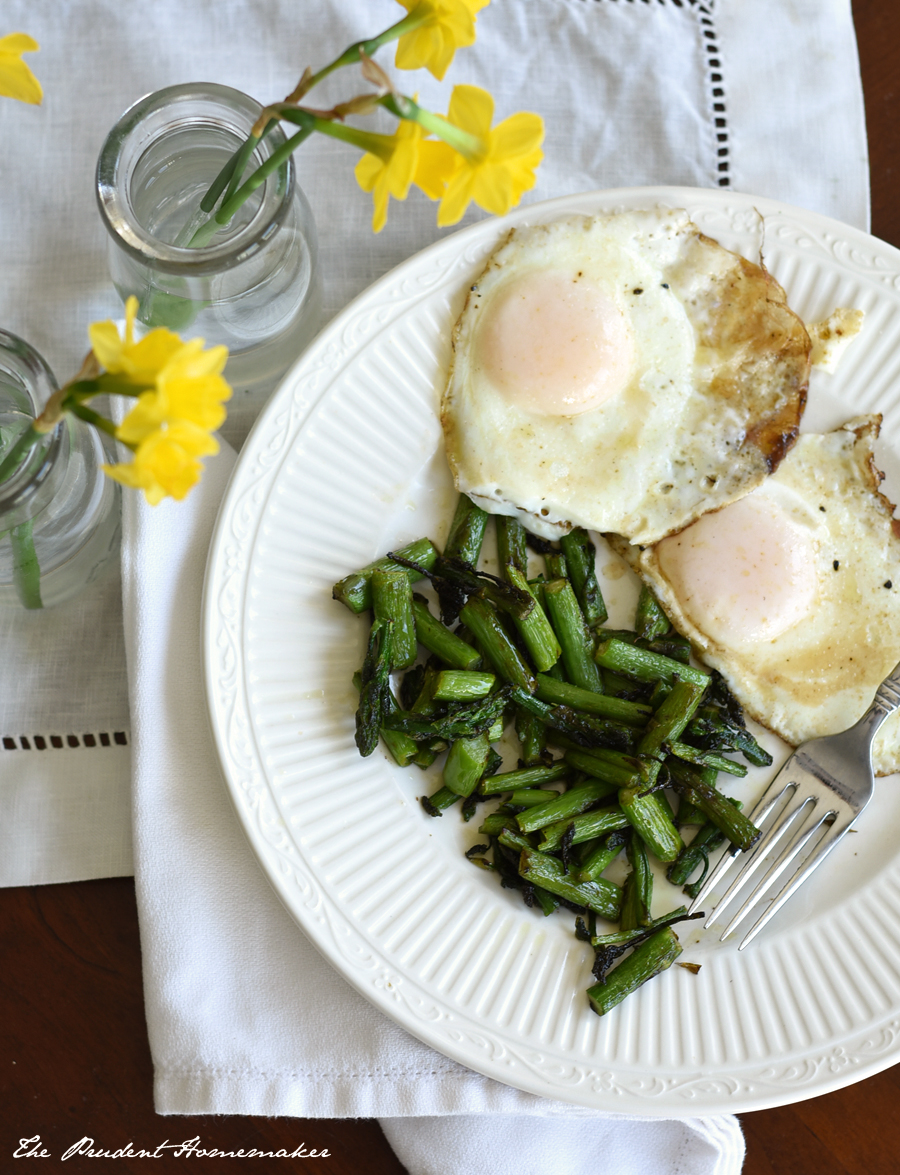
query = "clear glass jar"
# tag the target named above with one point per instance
(255, 285)
(59, 513)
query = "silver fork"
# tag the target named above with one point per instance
(822, 788)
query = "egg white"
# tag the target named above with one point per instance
(716, 382)
(819, 675)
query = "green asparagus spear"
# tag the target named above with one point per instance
(482, 619)
(688, 812)
(602, 855)
(601, 896)
(532, 737)
(466, 761)
(581, 555)
(583, 729)
(402, 748)
(582, 828)
(392, 600)
(706, 759)
(648, 959)
(511, 546)
(535, 630)
(561, 693)
(461, 720)
(466, 531)
(651, 818)
(611, 766)
(650, 621)
(638, 888)
(531, 797)
(462, 685)
(440, 801)
(439, 640)
(573, 634)
(709, 837)
(570, 803)
(737, 827)
(355, 590)
(374, 687)
(646, 665)
(524, 777)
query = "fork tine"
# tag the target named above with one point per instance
(722, 866)
(770, 797)
(759, 853)
(816, 857)
(803, 834)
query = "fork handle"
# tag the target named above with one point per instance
(885, 702)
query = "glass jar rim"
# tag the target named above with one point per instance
(28, 478)
(126, 143)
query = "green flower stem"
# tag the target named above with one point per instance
(239, 164)
(469, 146)
(369, 141)
(26, 569)
(261, 174)
(22, 446)
(411, 21)
(98, 421)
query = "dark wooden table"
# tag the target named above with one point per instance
(74, 1059)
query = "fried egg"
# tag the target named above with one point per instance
(793, 592)
(624, 373)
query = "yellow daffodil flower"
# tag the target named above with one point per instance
(450, 25)
(496, 175)
(404, 159)
(16, 79)
(140, 362)
(180, 404)
(167, 462)
(184, 382)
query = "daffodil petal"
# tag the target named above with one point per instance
(105, 343)
(16, 79)
(367, 171)
(472, 109)
(518, 135)
(492, 189)
(457, 198)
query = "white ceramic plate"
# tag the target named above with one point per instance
(345, 463)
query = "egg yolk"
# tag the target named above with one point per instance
(555, 345)
(744, 574)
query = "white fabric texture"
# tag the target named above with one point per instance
(244, 1016)
(612, 1145)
